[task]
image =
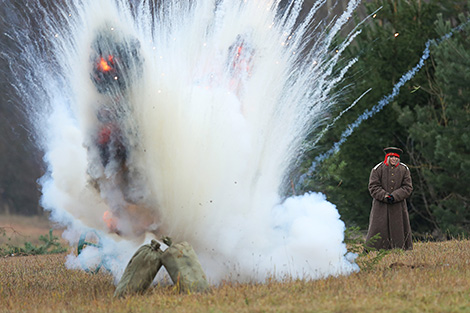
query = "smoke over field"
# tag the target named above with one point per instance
(184, 119)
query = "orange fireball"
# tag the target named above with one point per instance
(105, 65)
(110, 221)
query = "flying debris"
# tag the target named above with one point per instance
(201, 153)
(240, 62)
(115, 58)
(116, 63)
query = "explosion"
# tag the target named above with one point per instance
(186, 119)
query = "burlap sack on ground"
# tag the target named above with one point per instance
(141, 270)
(184, 268)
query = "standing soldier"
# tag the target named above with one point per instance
(390, 185)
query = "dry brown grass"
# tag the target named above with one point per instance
(19, 229)
(434, 277)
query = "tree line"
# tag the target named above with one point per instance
(429, 119)
(20, 160)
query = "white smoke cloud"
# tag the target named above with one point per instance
(212, 117)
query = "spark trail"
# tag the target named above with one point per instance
(379, 106)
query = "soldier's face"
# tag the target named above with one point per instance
(393, 160)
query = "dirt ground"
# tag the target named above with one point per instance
(18, 229)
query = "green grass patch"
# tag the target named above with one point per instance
(49, 244)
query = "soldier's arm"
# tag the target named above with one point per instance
(405, 189)
(375, 186)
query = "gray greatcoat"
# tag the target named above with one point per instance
(390, 220)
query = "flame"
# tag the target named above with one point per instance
(110, 221)
(103, 64)
(239, 50)
(242, 60)
(104, 135)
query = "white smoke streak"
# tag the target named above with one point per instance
(379, 106)
(209, 140)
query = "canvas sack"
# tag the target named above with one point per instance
(184, 268)
(141, 270)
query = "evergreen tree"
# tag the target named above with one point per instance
(439, 134)
(390, 44)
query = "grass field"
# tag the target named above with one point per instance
(19, 229)
(434, 277)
